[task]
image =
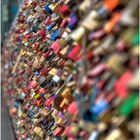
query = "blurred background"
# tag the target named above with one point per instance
(9, 9)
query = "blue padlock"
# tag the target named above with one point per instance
(48, 9)
(50, 27)
(72, 21)
(16, 104)
(100, 107)
(36, 73)
(55, 34)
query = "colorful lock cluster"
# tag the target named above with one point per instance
(70, 70)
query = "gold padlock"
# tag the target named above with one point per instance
(53, 71)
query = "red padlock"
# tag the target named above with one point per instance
(58, 131)
(49, 101)
(121, 84)
(55, 46)
(42, 32)
(42, 90)
(48, 21)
